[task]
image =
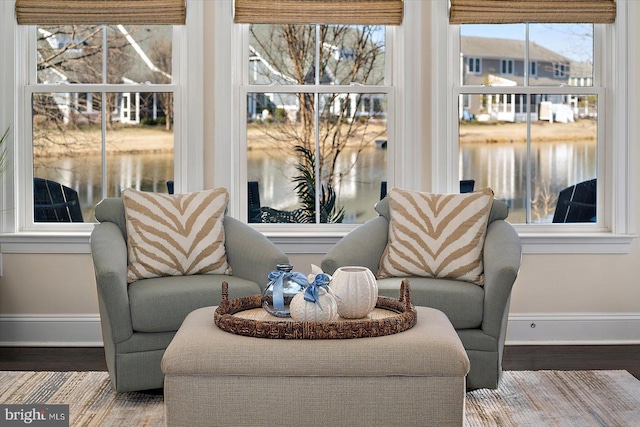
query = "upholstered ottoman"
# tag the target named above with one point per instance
(414, 378)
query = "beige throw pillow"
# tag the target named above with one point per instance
(436, 235)
(175, 235)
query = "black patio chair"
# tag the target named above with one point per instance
(264, 214)
(466, 186)
(54, 202)
(577, 203)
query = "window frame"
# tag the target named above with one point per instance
(21, 235)
(507, 67)
(403, 163)
(314, 89)
(31, 87)
(476, 61)
(409, 41)
(615, 234)
(559, 70)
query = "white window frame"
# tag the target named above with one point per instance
(403, 165)
(466, 101)
(615, 235)
(19, 233)
(507, 67)
(475, 61)
(315, 90)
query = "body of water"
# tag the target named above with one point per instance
(500, 166)
(503, 168)
(147, 172)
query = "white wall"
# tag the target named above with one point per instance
(50, 299)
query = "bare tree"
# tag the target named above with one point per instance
(161, 55)
(347, 55)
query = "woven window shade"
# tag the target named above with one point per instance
(89, 12)
(524, 11)
(344, 12)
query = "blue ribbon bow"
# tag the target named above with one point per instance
(278, 277)
(311, 293)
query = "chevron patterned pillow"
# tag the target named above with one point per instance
(175, 235)
(436, 235)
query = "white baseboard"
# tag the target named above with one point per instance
(573, 329)
(524, 329)
(66, 330)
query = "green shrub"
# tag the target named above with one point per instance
(147, 121)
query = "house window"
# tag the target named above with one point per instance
(535, 143)
(560, 70)
(102, 103)
(506, 67)
(317, 104)
(473, 65)
(466, 101)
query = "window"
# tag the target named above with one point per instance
(608, 73)
(68, 91)
(560, 70)
(76, 104)
(506, 67)
(317, 107)
(473, 65)
(527, 137)
(102, 104)
(533, 68)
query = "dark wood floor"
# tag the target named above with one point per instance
(516, 358)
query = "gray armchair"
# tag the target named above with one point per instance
(140, 319)
(479, 314)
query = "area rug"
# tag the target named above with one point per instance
(557, 398)
(525, 398)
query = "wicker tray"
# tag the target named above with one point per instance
(245, 316)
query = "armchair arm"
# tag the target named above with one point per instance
(249, 253)
(502, 256)
(109, 254)
(363, 246)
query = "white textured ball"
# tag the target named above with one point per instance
(305, 311)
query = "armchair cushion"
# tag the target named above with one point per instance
(175, 234)
(462, 302)
(161, 304)
(436, 235)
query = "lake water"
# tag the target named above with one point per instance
(500, 166)
(147, 172)
(503, 168)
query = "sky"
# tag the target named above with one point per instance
(575, 41)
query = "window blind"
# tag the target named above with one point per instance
(344, 12)
(88, 12)
(536, 11)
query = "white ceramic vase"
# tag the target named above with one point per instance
(357, 291)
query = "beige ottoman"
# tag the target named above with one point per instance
(414, 378)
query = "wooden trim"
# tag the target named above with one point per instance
(344, 12)
(532, 11)
(91, 12)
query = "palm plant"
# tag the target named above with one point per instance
(306, 190)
